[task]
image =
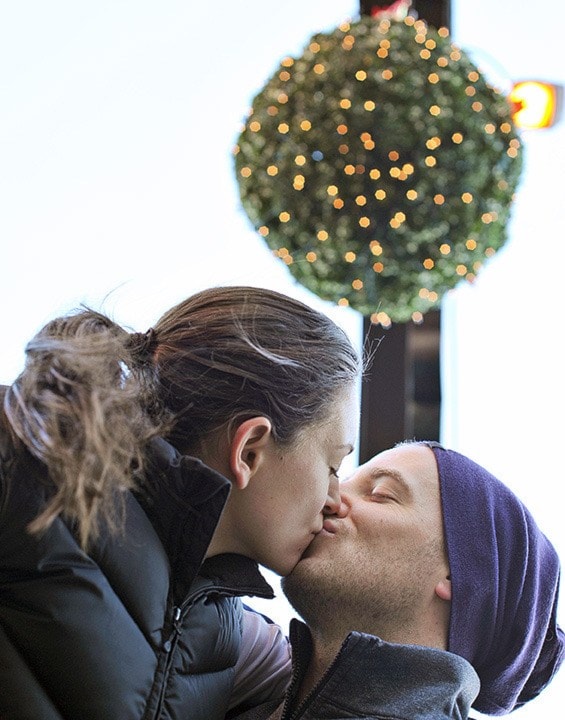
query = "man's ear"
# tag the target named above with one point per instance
(247, 447)
(443, 588)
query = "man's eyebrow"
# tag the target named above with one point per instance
(378, 473)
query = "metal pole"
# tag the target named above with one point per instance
(401, 395)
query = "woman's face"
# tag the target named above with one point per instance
(274, 518)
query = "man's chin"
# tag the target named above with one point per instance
(306, 588)
(296, 575)
(305, 571)
(295, 586)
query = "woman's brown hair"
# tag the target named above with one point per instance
(92, 395)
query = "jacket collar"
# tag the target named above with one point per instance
(237, 573)
(184, 499)
(373, 678)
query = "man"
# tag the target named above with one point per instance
(428, 553)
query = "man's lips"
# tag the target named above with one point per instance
(330, 526)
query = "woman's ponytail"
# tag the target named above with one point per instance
(79, 406)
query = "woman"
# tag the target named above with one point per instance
(142, 478)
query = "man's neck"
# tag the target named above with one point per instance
(327, 641)
(379, 679)
(324, 651)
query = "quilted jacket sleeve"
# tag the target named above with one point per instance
(263, 669)
(21, 695)
(69, 647)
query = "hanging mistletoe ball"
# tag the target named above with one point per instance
(380, 166)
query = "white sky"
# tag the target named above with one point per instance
(117, 120)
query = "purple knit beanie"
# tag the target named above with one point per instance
(505, 581)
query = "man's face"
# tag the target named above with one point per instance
(377, 562)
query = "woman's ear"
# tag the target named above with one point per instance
(443, 588)
(247, 449)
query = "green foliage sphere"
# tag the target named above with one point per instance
(380, 166)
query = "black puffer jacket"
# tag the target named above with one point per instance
(137, 629)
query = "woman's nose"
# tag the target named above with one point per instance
(347, 497)
(334, 504)
(333, 500)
